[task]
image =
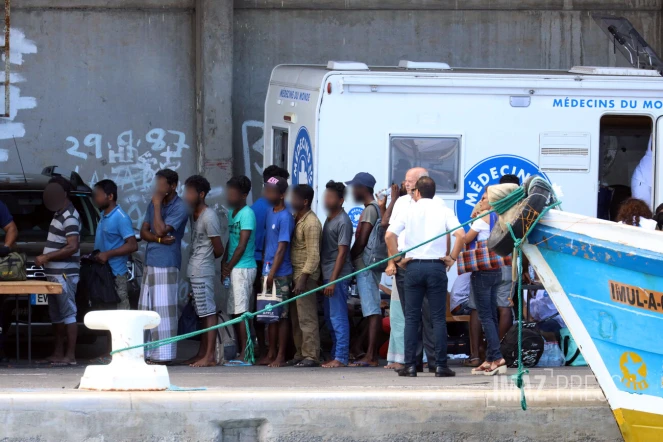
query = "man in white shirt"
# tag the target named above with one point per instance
(426, 275)
(394, 211)
(641, 180)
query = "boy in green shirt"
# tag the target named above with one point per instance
(240, 264)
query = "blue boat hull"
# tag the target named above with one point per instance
(611, 296)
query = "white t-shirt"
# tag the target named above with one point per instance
(425, 219)
(482, 228)
(641, 180)
(646, 223)
(401, 208)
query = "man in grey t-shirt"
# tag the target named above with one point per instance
(335, 261)
(206, 246)
(336, 232)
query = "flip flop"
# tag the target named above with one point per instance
(237, 363)
(469, 362)
(364, 364)
(293, 362)
(64, 364)
(102, 360)
(308, 363)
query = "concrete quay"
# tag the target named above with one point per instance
(298, 404)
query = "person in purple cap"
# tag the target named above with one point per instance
(277, 265)
(363, 185)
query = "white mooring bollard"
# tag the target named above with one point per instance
(128, 370)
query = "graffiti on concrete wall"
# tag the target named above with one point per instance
(131, 160)
(253, 140)
(11, 127)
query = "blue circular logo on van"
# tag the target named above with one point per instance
(302, 159)
(355, 214)
(487, 172)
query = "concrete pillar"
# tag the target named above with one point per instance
(214, 59)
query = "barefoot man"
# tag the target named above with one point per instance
(335, 261)
(206, 246)
(277, 266)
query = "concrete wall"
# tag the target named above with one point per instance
(473, 33)
(112, 88)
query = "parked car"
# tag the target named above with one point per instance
(22, 194)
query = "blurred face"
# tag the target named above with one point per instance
(54, 197)
(235, 197)
(162, 186)
(101, 200)
(358, 193)
(273, 195)
(192, 197)
(483, 204)
(332, 201)
(298, 204)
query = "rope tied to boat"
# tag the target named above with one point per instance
(501, 206)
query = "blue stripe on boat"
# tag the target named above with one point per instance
(627, 333)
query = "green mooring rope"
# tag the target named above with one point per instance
(500, 206)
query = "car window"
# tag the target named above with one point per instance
(32, 218)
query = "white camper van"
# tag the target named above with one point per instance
(585, 129)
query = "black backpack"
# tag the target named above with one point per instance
(96, 284)
(533, 344)
(376, 247)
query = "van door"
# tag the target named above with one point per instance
(658, 164)
(280, 147)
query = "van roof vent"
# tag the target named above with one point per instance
(346, 66)
(596, 70)
(407, 64)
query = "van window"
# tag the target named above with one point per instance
(280, 148)
(439, 155)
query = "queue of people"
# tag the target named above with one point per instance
(280, 246)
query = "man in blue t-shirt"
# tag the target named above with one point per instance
(11, 232)
(277, 267)
(260, 209)
(115, 239)
(163, 229)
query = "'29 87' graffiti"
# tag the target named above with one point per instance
(130, 161)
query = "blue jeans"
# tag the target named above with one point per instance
(369, 293)
(336, 315)
(426, 279)
(485, 286)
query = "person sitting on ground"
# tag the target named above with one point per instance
(335, 261)
(206, 247)
(635, 212)
(61, 262)
(240, 265)
(277, 267)
(116, 241)
(460, 295)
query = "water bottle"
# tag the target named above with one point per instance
(226, 282)
(268, 267)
